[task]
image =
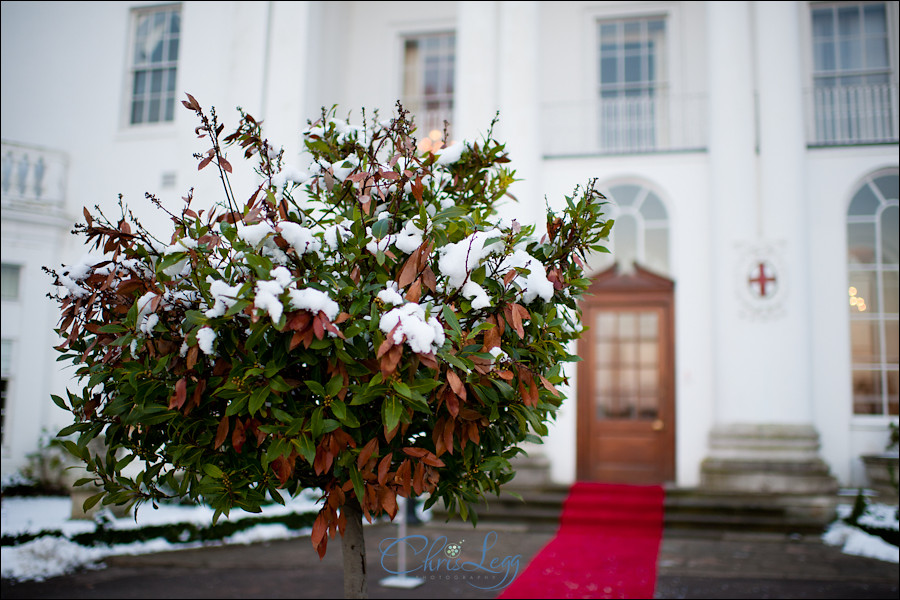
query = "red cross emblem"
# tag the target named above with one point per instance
(762, 280)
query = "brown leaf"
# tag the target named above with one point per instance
(509, 277)
(387, 498)
(383, 467)
(415, 452)
(87, 216)
(429, 279)
(226, 166)
(221, 433)
(177, 400)
(192, 356)
(196, 396)
(238, 437)
(320, 528)
(370, 448)
(408, 272)
(452, 401)
(432, 460)
(419, 479)
(549, 386)
(415, 291)
(491, 336)
(456, 384)
(204, 162)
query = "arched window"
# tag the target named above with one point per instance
(641, 232)
(872, 265)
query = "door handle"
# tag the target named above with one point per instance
(658, 425)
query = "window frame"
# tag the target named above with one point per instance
(423, 123)
(131, 70)
(879, 315)
(808, 52)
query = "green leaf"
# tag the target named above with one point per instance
(390, 412)
(316, 388)
(59, 402)
(237, 307)
(357, 480)
(305, 447)
(213, 471)
(258, 398)
(452, 321)
(92, 501)
(112, 328)
(381, 228)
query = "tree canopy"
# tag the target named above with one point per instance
(362, 324)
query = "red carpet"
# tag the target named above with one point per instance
(606, 546)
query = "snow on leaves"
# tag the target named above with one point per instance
(363, 325)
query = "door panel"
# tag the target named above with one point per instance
(626, 389)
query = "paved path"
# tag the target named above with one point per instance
(724, 566)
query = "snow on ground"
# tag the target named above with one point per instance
(856, 541)
(50, 556)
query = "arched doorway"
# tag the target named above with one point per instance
(626, 379)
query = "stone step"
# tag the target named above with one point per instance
(686, 510)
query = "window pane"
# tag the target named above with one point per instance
(156, 78)
(609, 70)
(888, 186)
(153, 117)
(863, 292)
(137, 112)
(865, 203)
(865, 342)
(175, 22)
(889, 289)
(892, 383)
(627, 326)
(173, 50)
(170, 80)
(624, 195)
(170, 108)
(6, 356)
(824, 56)
(876, 53)
(867, 393)
(890, 234)
(848, 21)
(851, 54)
(860, 242)
(823, 23)
(140, 83)
(875, 21)
(649, 325)
(656, 249)
(625, 234)
(891, 341)
(9, 283)
(652, 208)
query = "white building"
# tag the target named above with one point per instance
(750, 149)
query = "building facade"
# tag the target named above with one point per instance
(745, 330)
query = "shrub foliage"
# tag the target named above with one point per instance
(363, 324)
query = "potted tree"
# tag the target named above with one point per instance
(361, 324)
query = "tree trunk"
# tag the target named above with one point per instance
(353, 544)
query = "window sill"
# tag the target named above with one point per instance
(151, 131)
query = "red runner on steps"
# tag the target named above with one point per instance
(606, 546)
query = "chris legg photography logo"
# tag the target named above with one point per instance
(445, 560)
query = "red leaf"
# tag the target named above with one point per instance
(432, 460)
(226, 166)
(370, 448)
(238, 437)
(87, 216)
(452, 401)
(319, 529)
(221, 433)
(204, 162)
(177, 400)
(549, 386)
(383, 467)
(388, 500)
(456, 383)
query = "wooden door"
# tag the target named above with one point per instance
(626, 403)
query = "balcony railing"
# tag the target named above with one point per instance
(33, 178)
(850, 115)
(655, 121)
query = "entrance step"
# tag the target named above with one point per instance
(687, 511)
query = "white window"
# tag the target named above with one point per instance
(154, 64)
(9, 281)
(872, 261)
(641, 234)
(428, 68)
(854, 82)
(632, 83)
